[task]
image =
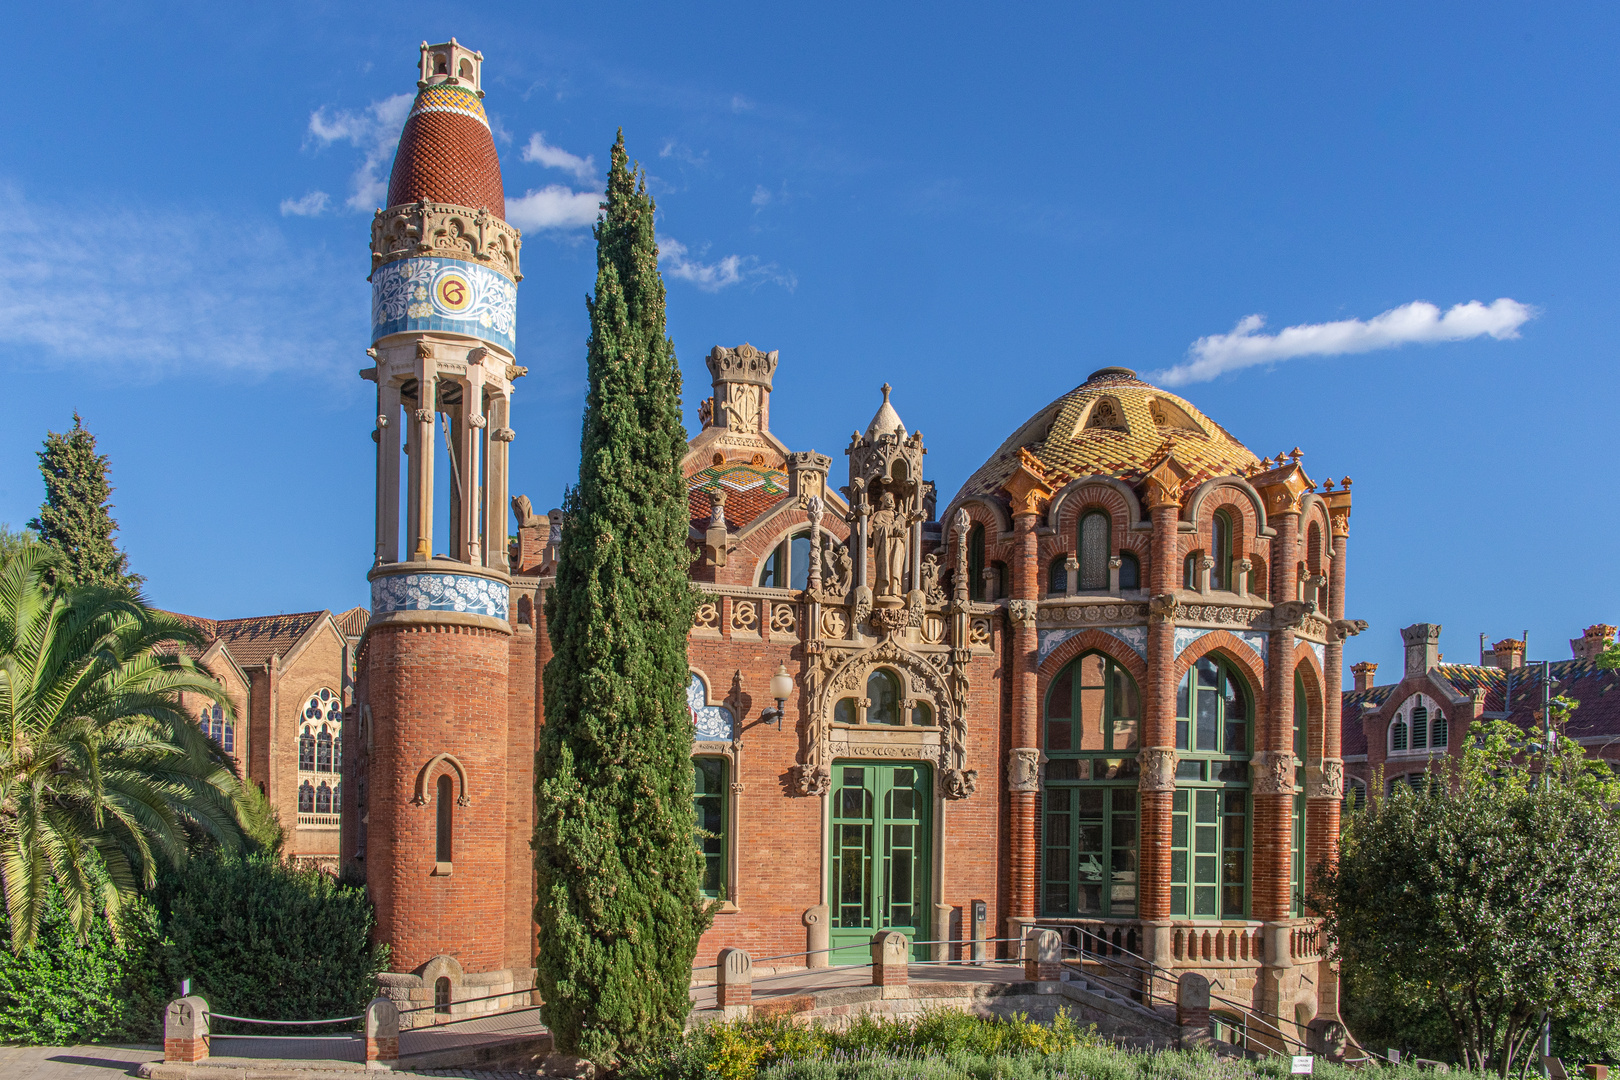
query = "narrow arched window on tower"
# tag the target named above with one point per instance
(1057, 575)
(1220, 549)
(1094, 529)
(1130, 571)
(443, 845)
(976, 563)
(1420, 726)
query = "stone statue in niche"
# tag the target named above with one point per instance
(933, 588)
(890, 530)
(836, 565)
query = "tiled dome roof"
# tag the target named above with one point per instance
(1114, 424)
(446, 153)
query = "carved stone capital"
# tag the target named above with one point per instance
(503, 434)
(446, 231)
(806, 780)
(1158, 770)
(423, 416)
(1273, 773)
(1162, 608)
(1023, 613)
(1024, 768)
(1325, 780)
(1291, 614)
(479, 421)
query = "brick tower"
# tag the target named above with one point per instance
(434, 810)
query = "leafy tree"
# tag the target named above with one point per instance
(102, 770)
(1490, 897)
(14, 540)
(76, 517)
(619, 909)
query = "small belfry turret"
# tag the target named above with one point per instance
(435, 820)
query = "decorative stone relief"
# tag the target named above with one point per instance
(783, 619)
(1222, 614)
(707, 616)
(979, 633)
(933, 591)
(434, 591)
(1325, 781)
(837, 568)
(959, 783)
(428, 228)
(1162, 608)
(1024, 768)
(1273, 773)
(1291, 614)
(933, 628)
(1347, 628)
(808, 779)
(744, 615)
(1158, 770)
(1023, 613)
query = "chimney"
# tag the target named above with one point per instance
(1593, 641)
(1364, 673)
(1422, 647)
(1508, 654)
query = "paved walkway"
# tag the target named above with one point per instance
(112, 1062)
(808, 980)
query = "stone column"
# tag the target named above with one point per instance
(387, 436)
(1158, 737)
(498, 449)
(422, 455)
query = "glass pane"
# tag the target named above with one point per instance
(1059, 735)
(883, 691)
(1189, 770)
(799, 561)
(1125, 700)
(1063, 769)
(922, 714)
(1237, 707)
(1208, 720)
(1058, 575)
(1183, 730)
(844, 711)
(1124, 734)
(1059, 700)
(1130, 572)
(1182, 692)
(1208, 673)
(1237, 737)
(1094, 528)
(1233, 772)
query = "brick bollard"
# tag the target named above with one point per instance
(185, 1030)
(382, 1034)
(1192, 1006)
(890, 954)
(734, 985)
(1043, 956)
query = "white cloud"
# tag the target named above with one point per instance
(375, 130)
(141, 291)
(677, 261)
(1417, 322)
(555, 157)
(310, 205)
(761, 196)
(553, 207)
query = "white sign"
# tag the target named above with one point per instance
(1304, 1065)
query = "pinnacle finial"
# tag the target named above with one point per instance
(886, 389)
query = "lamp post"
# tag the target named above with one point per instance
(781, 690)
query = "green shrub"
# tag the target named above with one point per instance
(105, 989)
(260, 938)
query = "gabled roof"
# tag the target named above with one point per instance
(255, 639)
(353, 622)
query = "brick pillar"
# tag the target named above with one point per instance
(734, 983)
(1043, 956)
(1026, 716)
(1273, 780)
(382, 1032)
(521, 929)
(890, 954)
(1158, 740)
(1325, 781)
(185, 1030)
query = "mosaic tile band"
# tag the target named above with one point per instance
(444, 294)
(437, 591)
(442, 97)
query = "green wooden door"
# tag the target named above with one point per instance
(880, 859)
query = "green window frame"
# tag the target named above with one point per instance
(1302, 719)
(1214, 710)
(880, 855)
(1209, 852)
(1092, 706)
(711, 795)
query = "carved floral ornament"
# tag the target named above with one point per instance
(441, 229)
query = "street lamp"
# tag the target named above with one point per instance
(781, 690)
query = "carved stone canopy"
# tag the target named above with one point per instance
(446, 231)
(744, 364)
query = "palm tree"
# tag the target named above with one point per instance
(102, 772)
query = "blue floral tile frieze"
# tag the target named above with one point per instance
(439, 591)
(711, 722)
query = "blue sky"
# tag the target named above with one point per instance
(979, 204)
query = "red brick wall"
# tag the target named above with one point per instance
(520, 731)
(430, 688)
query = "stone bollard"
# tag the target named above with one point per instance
(1043, 956)
(734, 985)
(819, 937)
(890, 954)
(1192, 1007)
(382, 1034)
(185, 1030)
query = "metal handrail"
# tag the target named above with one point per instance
(300, 1023)
(866, 945)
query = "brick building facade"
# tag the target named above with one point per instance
(1097, 691)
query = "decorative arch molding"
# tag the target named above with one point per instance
(1307, 656)
(427, 772)
(1255, 642)
(1090, 640)
(1312, 507)
(442, 966)
(982, 511)
(1058, 508)
(1195, 505)
(930, 678)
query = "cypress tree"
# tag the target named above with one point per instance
(619, 908)
(76, 517)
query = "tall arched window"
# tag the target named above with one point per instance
(1057, 574)
(441, 995)
(1209, 812)
(1220, 550)
(788, 566)
(1397, 735)
(883, 692)
(306, 798)
(443, 838)
(1313, 559)
(1420, 727)
(709, 808)
(1095, 533)
(1189, 571)
(1130, 571)
(323, 751)
(1301, 716)
(323, 798)
(976, 563)
(1438, 733)
(1212, 709)
(1089, 802)
(1301, 734)
(306, 750)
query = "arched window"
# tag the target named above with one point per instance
(1420, 727)
(443, 845)
(1189, 571)
(1212, 709)
(1313, 559)
(1257, 578)
(844, 712)
(1301, 716)
(1297, 854)
(922, 714)
(1057, 574)
(306, 749)
(976, 563)
(306, 798)
(226, 730)
(323, 751)
(1095, 530)
(883, 693)
(1438, 733)
(788, 566)
(1397, 735)
(323, 799)
(1130, 571)
(1091, 706)
(324, 705)
(1220, 550)
(1355, 794)
(441, 995)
